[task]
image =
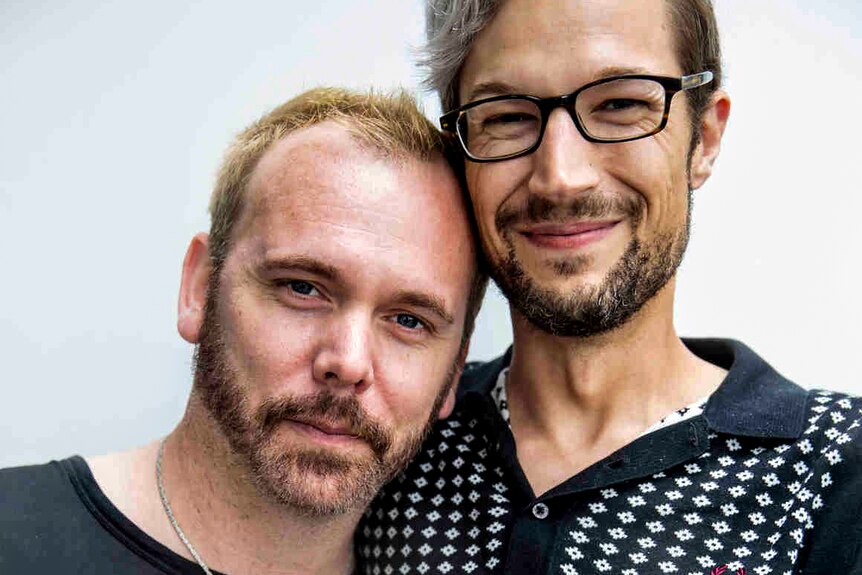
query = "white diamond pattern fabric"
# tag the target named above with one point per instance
(739, 504)
(450, 517)
(746, 502)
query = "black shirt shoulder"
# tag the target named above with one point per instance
(55, 519)
(38, 508)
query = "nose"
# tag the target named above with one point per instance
(565, 162)
(344, 356)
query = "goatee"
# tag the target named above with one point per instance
(640, 273)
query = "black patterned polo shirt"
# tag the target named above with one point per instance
(766, 479)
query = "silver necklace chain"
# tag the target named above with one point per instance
(170, 513)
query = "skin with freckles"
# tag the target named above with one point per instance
(585, 238)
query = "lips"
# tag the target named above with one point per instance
(327, 428)
(567, 235)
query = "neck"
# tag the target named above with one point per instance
(586, 397)
(232, 525)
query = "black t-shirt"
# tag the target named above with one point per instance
(54, 519)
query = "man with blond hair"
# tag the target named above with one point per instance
(602, 442)
(330, 306)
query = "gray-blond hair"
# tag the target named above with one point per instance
(450, 28)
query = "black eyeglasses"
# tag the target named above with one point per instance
(616, 109)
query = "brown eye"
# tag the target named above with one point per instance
(621, 104)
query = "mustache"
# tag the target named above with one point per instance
(325, 406)
(540, 209)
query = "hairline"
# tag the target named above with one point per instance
(395, 157)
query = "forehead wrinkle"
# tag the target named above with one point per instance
(384, 229)
(322, 217)
(308, 203)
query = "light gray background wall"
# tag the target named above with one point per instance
(114, 116)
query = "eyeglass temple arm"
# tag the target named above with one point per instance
(695, 80)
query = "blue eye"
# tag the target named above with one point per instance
(301, 287)
(409, 321)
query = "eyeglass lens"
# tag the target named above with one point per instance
(617, 110)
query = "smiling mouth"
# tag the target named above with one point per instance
(567, 236)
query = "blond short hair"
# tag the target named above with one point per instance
(390, 124)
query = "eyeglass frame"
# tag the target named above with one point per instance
(672, 85)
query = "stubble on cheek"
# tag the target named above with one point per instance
(310, 479)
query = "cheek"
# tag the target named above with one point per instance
(265, 347)
(408, 382)
(491, 185)
(654, 168)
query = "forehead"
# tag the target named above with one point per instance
(320, 193)
(557, 45)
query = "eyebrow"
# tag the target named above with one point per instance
(427, 301)
(303, 263)
(608, 71)
(497, 88)
(488, 89)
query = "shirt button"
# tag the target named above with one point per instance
(540, 511)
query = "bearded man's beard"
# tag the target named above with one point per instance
(641, 272)
(312, 480)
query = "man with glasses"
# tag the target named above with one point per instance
(602, 442)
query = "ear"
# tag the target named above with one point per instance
(711, 130)
(449, 402)
(193, 288)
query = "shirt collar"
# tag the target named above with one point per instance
(753, 400)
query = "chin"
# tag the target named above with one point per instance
(317, 483)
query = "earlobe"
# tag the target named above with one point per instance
(712, 128)
(193, 288)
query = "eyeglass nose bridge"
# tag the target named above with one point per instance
(566, 101)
